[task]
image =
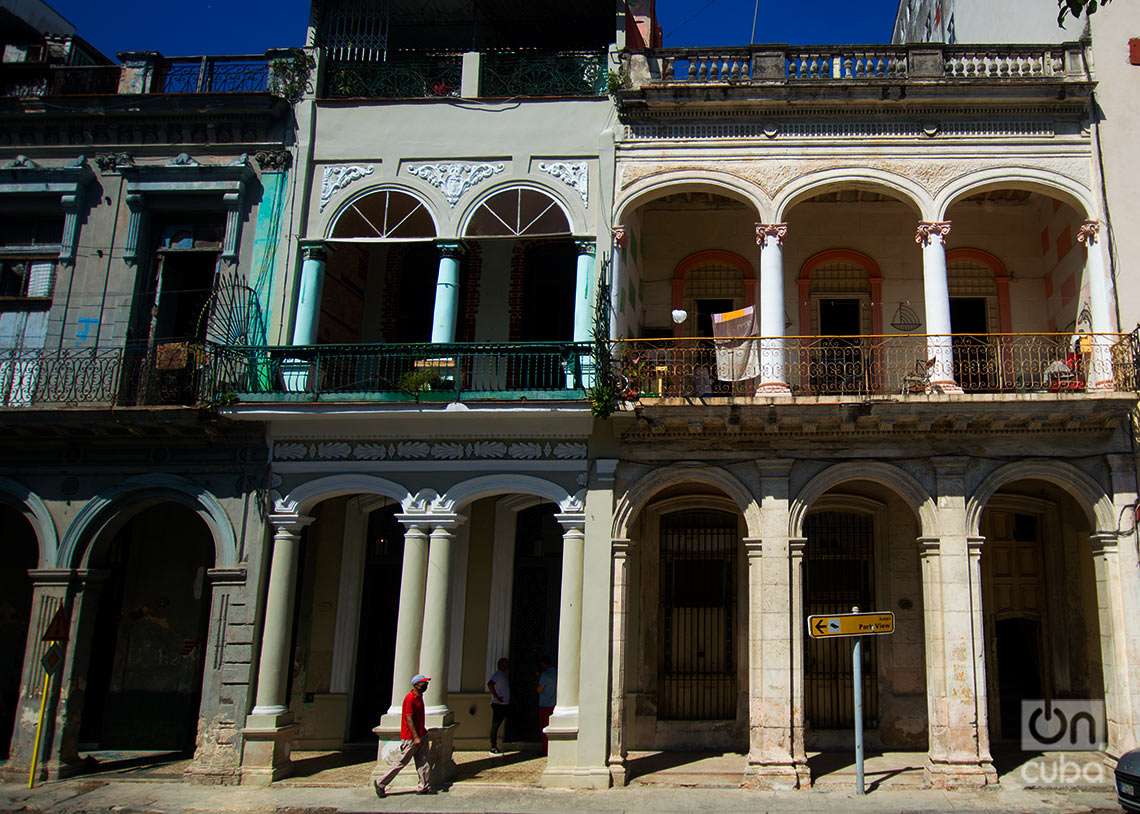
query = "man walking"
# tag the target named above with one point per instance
(500, 687)
(413, 740)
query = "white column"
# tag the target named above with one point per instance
(931, 237)
(773, 364)
(617, 279)
(458, 619)
(277, 631)
(1100, 375)
(445, 316)
(437, 614)
(565, 716)
(619, 551)
(410, 617)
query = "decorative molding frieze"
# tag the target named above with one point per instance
(334, 179)
(183, 160)
(273, 160)
(21, 162)
(574, 174)
(418, 450)
(453, 179)
(113, 162)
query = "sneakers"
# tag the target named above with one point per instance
(379, 790)
(425, 790)
(495, 750)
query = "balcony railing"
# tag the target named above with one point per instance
(402, 373)
(538, 73)
(36, 80)
(213, 74)
(855, 63)
(862, 366)
(423, 76)
(170, 374)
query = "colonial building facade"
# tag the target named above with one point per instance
(501, 406)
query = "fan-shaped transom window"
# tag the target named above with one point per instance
(386, 214)
(518, 213)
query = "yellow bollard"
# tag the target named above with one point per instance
(39, 731)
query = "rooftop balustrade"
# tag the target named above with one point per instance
(38, 79)
(766, 64)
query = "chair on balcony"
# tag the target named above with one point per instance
(918, 382)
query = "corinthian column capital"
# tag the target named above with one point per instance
(932, 229)
(1089, 233)
(778, 231)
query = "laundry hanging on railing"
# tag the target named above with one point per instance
(737, 357)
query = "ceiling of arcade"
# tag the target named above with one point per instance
(773, 176)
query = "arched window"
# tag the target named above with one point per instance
(385, 214)
(840, 292)
(518, 212)
(976, 275)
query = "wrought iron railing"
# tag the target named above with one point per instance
(213, 74)
(168, 374)
(890, 365)
(404, 372)
(543, 73)
(851, 63)
(31, 79)
(423, 76)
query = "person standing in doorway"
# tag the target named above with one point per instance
(547, 691)
(413, 740)
(500, 687)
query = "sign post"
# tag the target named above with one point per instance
(854, 625)
(51, 662)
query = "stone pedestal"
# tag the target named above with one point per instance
(265, 753)
(441, 746)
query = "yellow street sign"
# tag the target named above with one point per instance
(839, 625)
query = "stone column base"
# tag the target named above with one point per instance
(942, 775)
(777, 776)
(619, 774)
(265, 754)
(575, 777)
(441, 746)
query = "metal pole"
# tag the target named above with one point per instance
(857, 663)
(39, 731)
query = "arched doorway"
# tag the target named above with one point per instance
(861, 551)
(20, 554)
(686, 661)
(1041, 617)
(535, 613)
(149, 648)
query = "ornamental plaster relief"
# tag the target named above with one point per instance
(772, 176)
(454, 178)
(457, 450)
(334, 179)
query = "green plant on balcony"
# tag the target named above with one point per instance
(415, 382)
(289, 75)
(617, 80)
(605, 390)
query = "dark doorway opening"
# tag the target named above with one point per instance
(379, 608)
(20, 555)
(1019, 670)
(838, 365)
(549, 280)
(706, 307)
(699, 551)
(145, 675)
(838, 575)
(536, 605)
(975, 362)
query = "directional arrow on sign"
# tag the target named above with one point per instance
(819, 625)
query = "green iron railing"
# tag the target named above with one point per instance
(403, 372)
(538, 73)
(425, 76)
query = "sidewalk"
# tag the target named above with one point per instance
(120, 796)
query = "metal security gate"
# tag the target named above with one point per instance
(838, 575)
(699, 551)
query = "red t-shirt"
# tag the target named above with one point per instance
(414, 707)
